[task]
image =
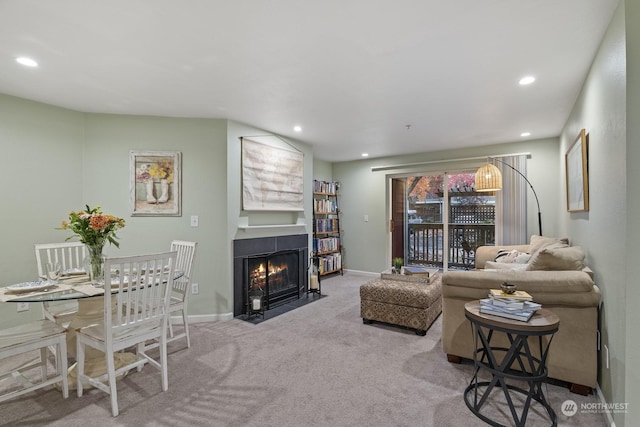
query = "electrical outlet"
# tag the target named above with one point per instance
(195, 289)
(23, 306)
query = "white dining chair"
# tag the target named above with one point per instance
(70, 255)
(181, 287)
(37, 335)
(143, 282)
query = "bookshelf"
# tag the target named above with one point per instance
(327, 234)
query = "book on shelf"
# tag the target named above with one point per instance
(324, 187)
(514, 297)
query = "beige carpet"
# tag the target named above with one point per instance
(318, 365)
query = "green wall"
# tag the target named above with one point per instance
(42, 149)
(632, 290)
(203, 144)
(610, 231)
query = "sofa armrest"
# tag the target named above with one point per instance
(488, 253)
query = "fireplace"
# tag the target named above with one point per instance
(276, 276)
(275, 266)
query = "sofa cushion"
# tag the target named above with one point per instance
(538, 242)
(557, 256)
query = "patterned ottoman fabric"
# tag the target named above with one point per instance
(413, 305)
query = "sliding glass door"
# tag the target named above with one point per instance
(471, 221)
(443, 219)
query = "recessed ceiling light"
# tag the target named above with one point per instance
(365, 154)
(297, 128)
(527, 80)
(525, 134)
(28, 62)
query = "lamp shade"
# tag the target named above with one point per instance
(488, 178)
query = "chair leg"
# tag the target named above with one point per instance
(185, 321)
(79, 366)
(61, 365)
(163, 363)
(111, 377)
(43, 363)
(170, 327)
(140, 350)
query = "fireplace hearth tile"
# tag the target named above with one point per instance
(281, 309)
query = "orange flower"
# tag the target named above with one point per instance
(93, 227)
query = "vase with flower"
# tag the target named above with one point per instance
(95, 229)
(163, 171)
(143, 176)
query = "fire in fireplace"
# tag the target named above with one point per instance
(276, 275)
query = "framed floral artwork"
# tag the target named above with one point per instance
(155, 184)
(577, 170)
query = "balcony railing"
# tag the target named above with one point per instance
(426, 247)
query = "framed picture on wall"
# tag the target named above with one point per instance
(272, 176)
(155, 184)
(577, 171)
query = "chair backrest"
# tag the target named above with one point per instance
(139, 291)
(186, 255)
(68, 254)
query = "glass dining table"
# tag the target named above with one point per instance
(90, 311)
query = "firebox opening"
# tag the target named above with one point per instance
(276, 275)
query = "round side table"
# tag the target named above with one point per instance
(524, 360)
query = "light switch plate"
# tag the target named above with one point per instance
(194, 220)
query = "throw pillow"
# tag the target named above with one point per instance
(523, 258)
(538, 242)
(557, 256)
(512, 256)
(506, 256)
(494, 265)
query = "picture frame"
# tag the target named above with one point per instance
(272, 176)
(577, 174)
(155, 186)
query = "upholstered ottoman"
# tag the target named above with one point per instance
(413, 305)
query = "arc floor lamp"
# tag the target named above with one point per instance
(489, 178)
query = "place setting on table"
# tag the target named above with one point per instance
(69, 285)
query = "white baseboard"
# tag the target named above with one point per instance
(202, 318)
(607, 415)
(368, 273)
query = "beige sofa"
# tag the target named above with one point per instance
(570, 293)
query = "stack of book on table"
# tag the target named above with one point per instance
(418, 271)
(518, 305)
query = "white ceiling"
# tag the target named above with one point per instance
(352, 73)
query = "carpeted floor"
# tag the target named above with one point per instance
(317, 365)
